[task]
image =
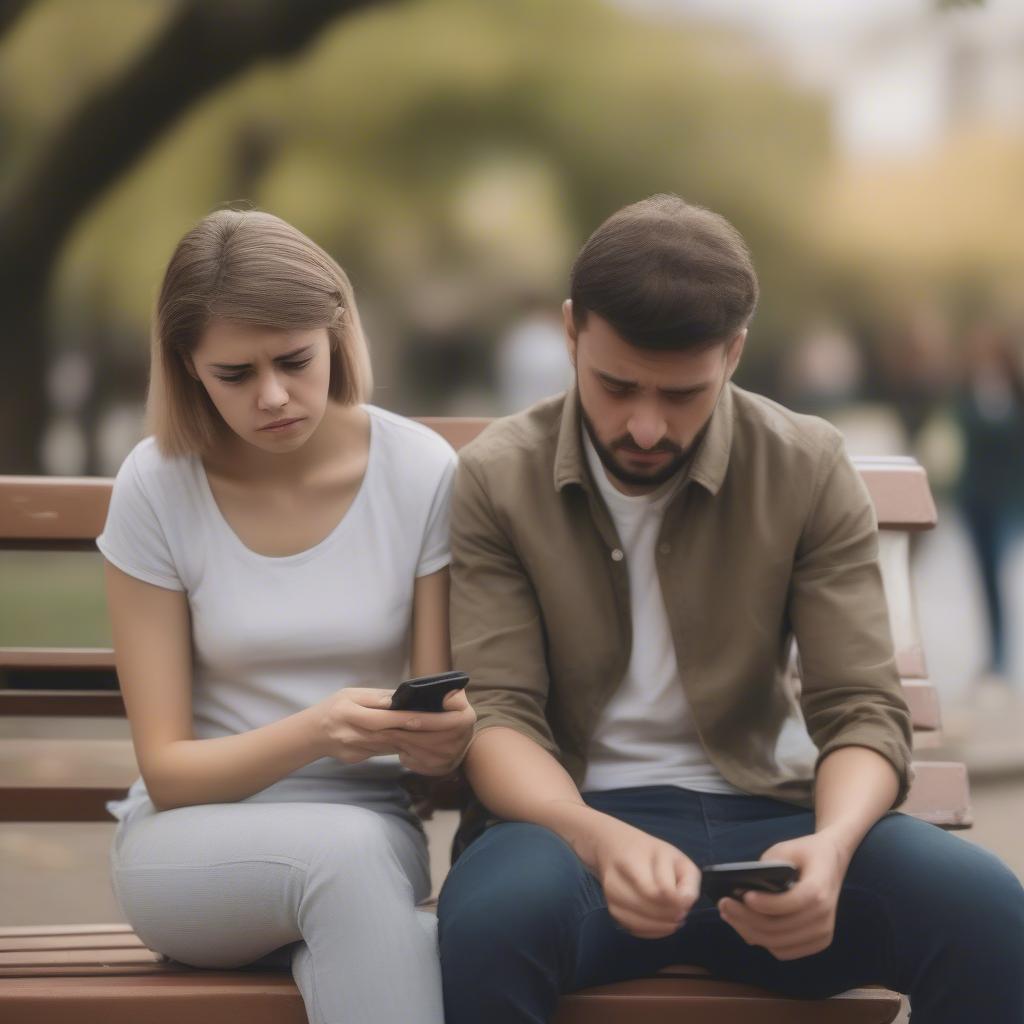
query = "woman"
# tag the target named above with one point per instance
(276, 561)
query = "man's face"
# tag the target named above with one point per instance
(270, 386)
(644, 408)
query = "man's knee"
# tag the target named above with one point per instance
(523, 882)
(937, 881)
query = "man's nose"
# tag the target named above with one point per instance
(646, 426)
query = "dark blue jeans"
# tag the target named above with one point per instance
(921, 912)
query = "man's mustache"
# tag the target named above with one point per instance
(628, 445)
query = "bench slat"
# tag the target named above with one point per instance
(920, 694)
(271, 998)
(62, 703)
(207, 997)
(86, 957)
(657, 1001)
(939, 795)
(70, 658)
(65, 513)
(61, 931)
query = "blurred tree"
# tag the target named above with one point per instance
(203, 44)
(451, 154)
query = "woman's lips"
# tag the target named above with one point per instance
(278, 425)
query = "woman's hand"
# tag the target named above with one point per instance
(435, 742)
(356, 723)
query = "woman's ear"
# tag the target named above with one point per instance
(190, 366)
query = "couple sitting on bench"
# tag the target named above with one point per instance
(629, 563)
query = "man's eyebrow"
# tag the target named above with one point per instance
(277, 359)
(670, 392)
(683, 392)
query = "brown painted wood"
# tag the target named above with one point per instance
(57, 803)
(456, 430)
(920, 694)
(658, 1001)
(208, 997)
(52, 510)
(923, 701)
(940, 795)
(109, 941)
(59, 931)
(102, 983)
(70, 658)
(69, 511)
(62, 703)
(71, 958)
(900, 492)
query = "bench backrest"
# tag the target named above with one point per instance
(58, 514)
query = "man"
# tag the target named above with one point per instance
(630, 563)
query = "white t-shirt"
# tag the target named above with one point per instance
(274, 635)
(646, 735)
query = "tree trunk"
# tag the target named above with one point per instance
(204, 44)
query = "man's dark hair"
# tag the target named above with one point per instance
(666, 274)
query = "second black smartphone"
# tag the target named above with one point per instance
(720, 880)
(427, 693)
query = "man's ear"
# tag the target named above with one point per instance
(733, 352)
(570, 330)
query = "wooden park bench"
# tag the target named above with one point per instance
(103, 973)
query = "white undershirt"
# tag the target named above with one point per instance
(646, 735)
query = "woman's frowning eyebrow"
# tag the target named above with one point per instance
(294, 354)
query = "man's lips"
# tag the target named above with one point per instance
(639, 453)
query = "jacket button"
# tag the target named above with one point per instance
(617, 555)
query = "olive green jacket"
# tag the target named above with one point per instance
(772, 536)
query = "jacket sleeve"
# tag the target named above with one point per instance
(850, 688)
(497, 632)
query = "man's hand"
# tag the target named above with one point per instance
(648, 884)
(800, 922)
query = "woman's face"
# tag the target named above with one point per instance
(270, 386)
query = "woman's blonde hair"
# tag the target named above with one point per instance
(248, 267)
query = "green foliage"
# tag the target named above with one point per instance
(452, 154)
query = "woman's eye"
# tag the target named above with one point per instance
(299, 364)
(232, 378)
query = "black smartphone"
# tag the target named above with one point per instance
(720, 880)
(427, 693)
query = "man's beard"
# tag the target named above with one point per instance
(654, 479)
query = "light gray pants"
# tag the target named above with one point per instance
(223, 885)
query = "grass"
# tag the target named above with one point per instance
(52, 599)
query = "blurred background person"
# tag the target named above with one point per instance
(531, 360)
(990, 491)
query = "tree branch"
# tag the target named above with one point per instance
(10, 12)
(205, 43)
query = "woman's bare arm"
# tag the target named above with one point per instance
(153, 653)
(438, 741)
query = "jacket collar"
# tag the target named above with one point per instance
(709, 465)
